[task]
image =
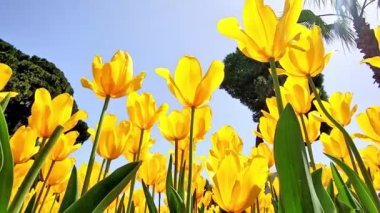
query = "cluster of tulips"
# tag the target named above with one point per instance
(37, 173)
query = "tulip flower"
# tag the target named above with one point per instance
(236, 186)
(132, 144)
(334, 144)
(113, 79)
(19, 172)
(374, 61)
(307, 58)
(267, 127)
(265, 203)
(139, 201)
(202, 122)
(369, 123)
(59, 173)
(313, 125)
(5, 75)
(142, 110)
(265, 36)
(263, 150)
(47, 114)
(23, 144)
(197, 91)
(175, 126)
(97, 169)
(153, 169)
(65, 146)
(371, 158)
(297, 93)
(376, 181)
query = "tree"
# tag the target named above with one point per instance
(29, 74)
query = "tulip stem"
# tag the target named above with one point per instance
(276, 86)
(134, 177)
(159, 202)
(175, 163)
(94, 147)
(43, 200)
(188, 201)
(107, 168)
(101, 169)
(44, 184)
(308, 143)
(350, 145)
(52, 205)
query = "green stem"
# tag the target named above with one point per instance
(101, 169)
(44, 184)
(175, 163)
(159, 202)
(134, 177)
(276, 86)
(350, 144)
(94, 147)
(43, 200)
(33, 171)
(188, 201)
(308, 143)
(108, 164)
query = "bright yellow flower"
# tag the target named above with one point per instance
(23, 144)
(139, 201)
(202, 122)
(113, 79)
(339, 107)
(326, 173)
(313, 126)
(265, 203)
(175, 126)
(308, 58)
(153, 169)
(143, 111)
(64, 146)
(61, 171)
(5, 75)
(374, 61)
(267, 127)
(369, 123)
(265, 36)
(94, 177)
(132, 145)
(376, 181)
(113, 137)
(371, 158)
(189, 86)
(47, 114)
(263, 150)
(334, 144)
(297, 93)
(236, 186)
(19, 173)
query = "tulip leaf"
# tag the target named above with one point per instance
(30, 206)
(1, 157)
(296, 186)
(181, 181)
(364, 194)
(6, 172)
(4, 102)
(326, 202)
(344, 195)
(121, 207)
(343, 206)
(330, 189)
(175, 202)
(149, 199)
(33, 171)
(104, 192)
(71, 194)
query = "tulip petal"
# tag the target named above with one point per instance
(5, 75)
(165, 74)
(374, 61)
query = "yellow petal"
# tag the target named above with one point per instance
(374, 61)
(5, 75)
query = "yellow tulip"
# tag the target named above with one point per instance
(265, 203)
(265, 36)
(334, 144)
(60, 172)
(374, 61)
(263, 150)
(19, 173)
(143, 111)
(5, 75)
(139, 200)
(94, 177)
(64, 146)
(297, 93)
(326, 173)
(113, 79)
(339, 107)
(113, 137)
(47, 114)
(23, 144)
(236, 186)
(308, 58)
(267, 127)
(369, 123)
(132, 144)
(188, 85)
(371, 158)
(202, 122)
(153, 169)
(313, 126)
(175, 126)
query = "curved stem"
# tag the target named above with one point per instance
(44, 184)
(308, 143)
(94, 147)
(101, 169)
(43, 200)
(107, 168)
(188, 201)
(276, 86)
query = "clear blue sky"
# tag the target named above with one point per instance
(155, 33)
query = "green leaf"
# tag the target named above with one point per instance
(343, 206)
(326, 202)
(296, 186)
(1, 157)
(175, 200)
(364, 194)
(30, 206)
(103, 193)
(4, 102)
(181, 181)
(149, 199)
(71, 194)
(330, 189)
(121, 207)
(344, 194)
(33, 171)
(6, 172)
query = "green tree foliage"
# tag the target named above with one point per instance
(29, 74)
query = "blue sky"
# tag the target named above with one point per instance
(155, 33)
